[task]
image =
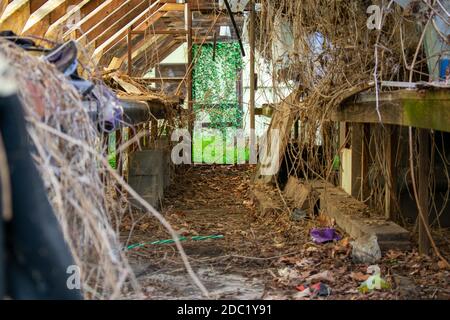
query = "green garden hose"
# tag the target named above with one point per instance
(171, 241)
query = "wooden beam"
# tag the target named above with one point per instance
(3, 5)
(422, 109)
(176, 32)
(130, 51)
(36, 4)
(162, 79)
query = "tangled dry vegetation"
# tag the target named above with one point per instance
(333, 57)
(64, 137)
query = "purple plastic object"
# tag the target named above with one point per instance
(323, 235)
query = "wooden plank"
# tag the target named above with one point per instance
(278, 137)
(422, 109)
(128, 87)
(173, 7)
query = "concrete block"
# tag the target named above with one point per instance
(148, 187)
(147, 162)
(355, 218)
(149, 175)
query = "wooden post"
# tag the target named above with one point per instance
(131, 149)
(154, 129)
(365, 161)
(190, 67)
(343, 143)
(360, 134)
(390, 181)
(252, 82)
(357, 154)
(423, 180)
(119, 155)
(130, 51)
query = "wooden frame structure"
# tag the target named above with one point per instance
(425, 109)
(103, 27)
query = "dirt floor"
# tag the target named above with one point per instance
(260, 257)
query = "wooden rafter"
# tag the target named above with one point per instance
(57, 29)
(47, 14)
(17, 13)
(92, 19)
(120, 33)
(115, 20)
(143, 23)
(3, 5)
(144, 61)
(146, 29)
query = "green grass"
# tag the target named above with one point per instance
(229, 155)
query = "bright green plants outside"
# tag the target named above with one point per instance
(215, 93)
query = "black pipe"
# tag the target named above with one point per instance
(135, 112)
(230, 13)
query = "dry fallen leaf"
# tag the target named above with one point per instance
(442, 265)
(359, 276)
(325, 276)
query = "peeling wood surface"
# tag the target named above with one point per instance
(422, 109)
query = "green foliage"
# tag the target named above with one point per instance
(111, 150)
(229, 154)
(214, 84)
